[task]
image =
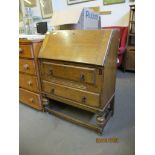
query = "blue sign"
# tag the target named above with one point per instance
(91, 15)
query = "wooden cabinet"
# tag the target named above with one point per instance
(78, 68)
(129, 59)
(29, 79)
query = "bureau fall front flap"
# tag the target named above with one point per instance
(81, 46)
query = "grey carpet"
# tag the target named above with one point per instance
(44, 134)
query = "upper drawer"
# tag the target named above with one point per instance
(29, 82)
(84, 97)
(26, 51)
(69, 72)
(27, 66)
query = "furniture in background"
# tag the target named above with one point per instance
(122, 44)
(129, 59)
(80, 71)
(29, 80)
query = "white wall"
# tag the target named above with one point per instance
(119, 16)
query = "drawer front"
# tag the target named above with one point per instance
(26, 51)
(28, 82)
(84, 97)
(27, 66)
(74, 73)
(29, 98)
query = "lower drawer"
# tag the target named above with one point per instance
(84, 97)
(28, 82)
(29, 98)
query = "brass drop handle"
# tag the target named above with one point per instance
(31, 100)
(52, 91)
(29, 83)
(84, 99)
(82, 77)
(26, 66)
(50, 72)
(20, 50)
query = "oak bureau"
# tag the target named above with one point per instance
(29, 80)
(78, 68)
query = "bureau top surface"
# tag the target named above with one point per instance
(81, 46)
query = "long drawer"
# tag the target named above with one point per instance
(26, 51)
(27, 66)
(29, 82)
(29, 98)
(84, 97)
(74, 73)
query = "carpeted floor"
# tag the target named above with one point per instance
(44, 134)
